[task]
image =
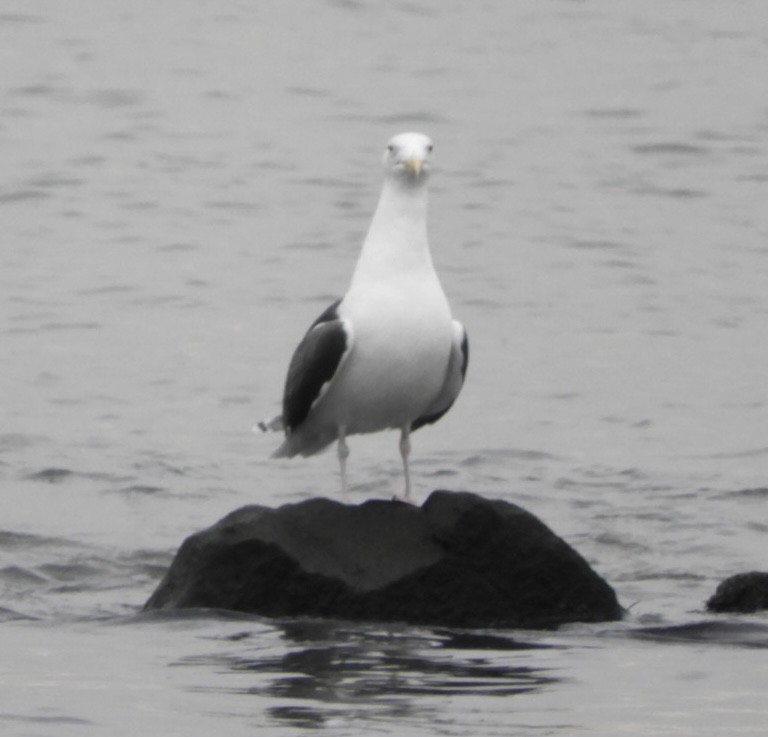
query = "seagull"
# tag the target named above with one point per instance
(387, 355)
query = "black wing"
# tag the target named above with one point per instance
(454, 379)
(314, 364)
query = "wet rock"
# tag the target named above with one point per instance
(458, 560)
(742, 593)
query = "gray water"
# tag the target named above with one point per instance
(185, 185)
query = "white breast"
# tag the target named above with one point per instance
(397, 364)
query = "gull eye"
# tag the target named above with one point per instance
(429, 148)
(391, 148)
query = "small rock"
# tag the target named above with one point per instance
(458, 560)
(742, 593)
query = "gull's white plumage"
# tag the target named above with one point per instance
(389, 354)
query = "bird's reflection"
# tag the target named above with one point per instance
(326, 668)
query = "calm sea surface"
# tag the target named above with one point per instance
(185, 185)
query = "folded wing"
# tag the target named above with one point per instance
(454, 379)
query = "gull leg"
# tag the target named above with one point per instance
(405, 452)
(343, 452)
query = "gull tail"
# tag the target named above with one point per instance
(275, 424)
(303, 441)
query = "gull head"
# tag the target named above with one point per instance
(407, 157)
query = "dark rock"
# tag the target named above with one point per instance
(743, 593)
(459, 560)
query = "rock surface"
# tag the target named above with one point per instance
(742, 593)
(458, 560)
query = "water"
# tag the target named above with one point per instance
(185, 186)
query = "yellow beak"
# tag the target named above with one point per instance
(414, 166)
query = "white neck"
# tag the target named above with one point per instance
(396, 242)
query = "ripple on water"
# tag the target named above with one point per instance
(670, 148)
(53, 576)
(20, 18)
(739, 632)
(23, 195)
(57, 475)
